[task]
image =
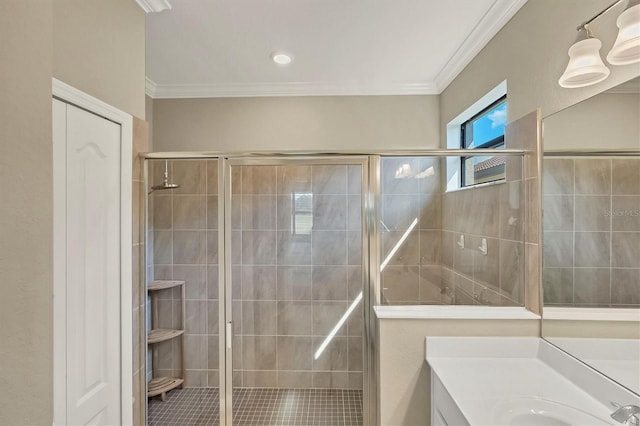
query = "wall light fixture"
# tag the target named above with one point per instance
(585, 66)
(626, 49)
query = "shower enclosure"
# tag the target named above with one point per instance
(284, 257)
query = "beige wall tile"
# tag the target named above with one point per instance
(258, 211)
(329, 179)
(558, 176)
(558, 212)
(190, 175)
(592, 249)
(294, 318)
(189, 247)
(334, 357)
(258, 180)
(592, 286)
(295, 353)
(189, 212)
(326, 315)
(291, 379)
(625, 249)
(593, 176)
(625, 176)
(259, 282)
(532, 278)
(329, 282)
(291, 179)
(259, 379)
(625, 214)
(329, 247)
(557, 285)
(625, 286)
(212, 177)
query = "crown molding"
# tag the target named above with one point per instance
(150, 87)
(235, 90)
(500, 12)
(150, 6)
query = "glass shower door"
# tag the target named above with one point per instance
(294, 284)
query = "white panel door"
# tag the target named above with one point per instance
(93, 233)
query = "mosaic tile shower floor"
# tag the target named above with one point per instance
(260, 407)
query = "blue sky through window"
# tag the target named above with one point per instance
(488, 126)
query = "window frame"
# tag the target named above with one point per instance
(500, 140)
(295, 210)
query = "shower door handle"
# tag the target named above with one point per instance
(228, 334)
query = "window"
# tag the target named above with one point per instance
(485, 130)
(302, 218)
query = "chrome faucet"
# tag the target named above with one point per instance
(627, 415)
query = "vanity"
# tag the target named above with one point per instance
(517, 381)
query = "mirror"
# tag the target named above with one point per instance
(591, 232)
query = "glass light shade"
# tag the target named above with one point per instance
(585, 65)
(626, 49)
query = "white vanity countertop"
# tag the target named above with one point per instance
(617, 358)
(481, 374)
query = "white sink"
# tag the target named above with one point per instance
(542, 412)
(521, 382)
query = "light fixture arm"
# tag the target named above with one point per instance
(583, 26)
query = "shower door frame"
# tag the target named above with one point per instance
(370, 234)
(369, 294)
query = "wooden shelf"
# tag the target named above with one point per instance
(163, 284)
(162, 385)
(162, 335)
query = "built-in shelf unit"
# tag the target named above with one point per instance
(162, 385)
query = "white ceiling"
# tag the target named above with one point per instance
(221, 48)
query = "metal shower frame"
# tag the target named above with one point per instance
(370, 162)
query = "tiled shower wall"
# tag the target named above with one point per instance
(291, 288)
(429, 267)
(433, 265)
(591, 231)
(184, 230)
(493, 213)
(506, 216)
(287, 291)
(411, 191)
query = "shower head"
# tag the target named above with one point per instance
(165, 183)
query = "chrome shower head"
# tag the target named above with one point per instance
(165, 184)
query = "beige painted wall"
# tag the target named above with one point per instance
(99, 49)
(591, 329)
(608, 120)
(296, 123)
(148, 110)
(26, 230)
(405, 379)
(530, 52)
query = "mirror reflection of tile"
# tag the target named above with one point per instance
(592, 231)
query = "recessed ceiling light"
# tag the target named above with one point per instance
(281, 58)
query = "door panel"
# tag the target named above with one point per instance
(295, 277)
(93, 268)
